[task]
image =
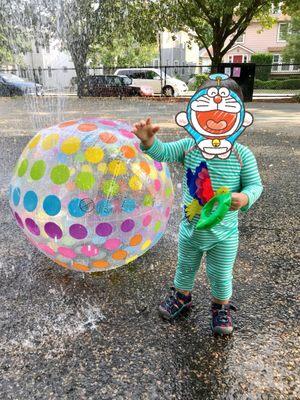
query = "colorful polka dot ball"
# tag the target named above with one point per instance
(86, 195)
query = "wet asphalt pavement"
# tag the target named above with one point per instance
(68, 335)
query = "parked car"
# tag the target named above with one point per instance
(110, 85)
(156, 79)
(13, 85)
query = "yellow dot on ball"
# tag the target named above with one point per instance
(146, 244)
(50, 141)
(34, 141)
(117, 167)
(130, 259)
(102, 167)
(216, 142)
(94, 154)
(135, 183)
(70, 145)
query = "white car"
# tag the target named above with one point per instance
(156, 79)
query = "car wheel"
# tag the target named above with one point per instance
(168, 91)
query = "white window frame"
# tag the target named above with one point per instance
(280, 68)
(278, 31)
(243, 38)
(156, 63)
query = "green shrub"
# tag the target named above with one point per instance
(263, 63)
(199, 79)
(277, 84)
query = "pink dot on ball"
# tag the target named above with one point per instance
(32, 226)
(127, 225)
(107, 122)
(157, 184)
(46, 249)
(89, 250)
(19, 221)
(137, 146)
(66, 252)
(112, 244)
(158, 165)
(147, 220)
(126, 133)
(167, 212)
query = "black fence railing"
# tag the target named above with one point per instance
(179, 80)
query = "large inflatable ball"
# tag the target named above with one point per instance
(86, 195)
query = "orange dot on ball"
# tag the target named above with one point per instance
(128, 151)
(100, 264)
(119, 255)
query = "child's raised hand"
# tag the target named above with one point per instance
(145, 131)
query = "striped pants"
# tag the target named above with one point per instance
(220, 258)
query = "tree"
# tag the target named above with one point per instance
(125, 51)
(15, 32)
(292, 50)
(215, 23)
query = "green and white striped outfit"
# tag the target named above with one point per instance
(240, 174)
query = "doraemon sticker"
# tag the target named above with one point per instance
(215, 117)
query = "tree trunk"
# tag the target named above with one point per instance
(217, 55)
(79, 59)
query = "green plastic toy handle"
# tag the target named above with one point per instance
(210, 217)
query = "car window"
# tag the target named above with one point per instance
(12, 78)
(152, 75)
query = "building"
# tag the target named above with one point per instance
(50, 66)
(179, 52)
(255, 40)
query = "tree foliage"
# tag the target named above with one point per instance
(292, 50)
(214, 24)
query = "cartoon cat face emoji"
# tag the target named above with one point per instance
(217, 112)
(215, 117)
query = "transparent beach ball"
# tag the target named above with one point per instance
(86, 195)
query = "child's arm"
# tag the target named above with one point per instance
(156, 149)
(250, 179)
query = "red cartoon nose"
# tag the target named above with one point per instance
(217, 99)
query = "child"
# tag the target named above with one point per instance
(204, 175)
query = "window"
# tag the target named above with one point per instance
(276, 60)
(37, 49)
(241, 38)
(151, 75)
(245, 58)
(40, 71)
(230, 59)
(49, 72)
(276, 9)
(156, 62)
(282, 31)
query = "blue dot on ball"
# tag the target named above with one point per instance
(52, 205)
(104, 208)
(30, 201)
(76, 208)
(16, 196)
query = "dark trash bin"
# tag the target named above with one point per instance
(243, 74)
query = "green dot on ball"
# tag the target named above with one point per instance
(37, 170)
(157, 226)
(85, 180)
(60, 174)
(23, 168)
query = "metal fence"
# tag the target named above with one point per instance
(276, 80)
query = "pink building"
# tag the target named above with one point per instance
(255, 40)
